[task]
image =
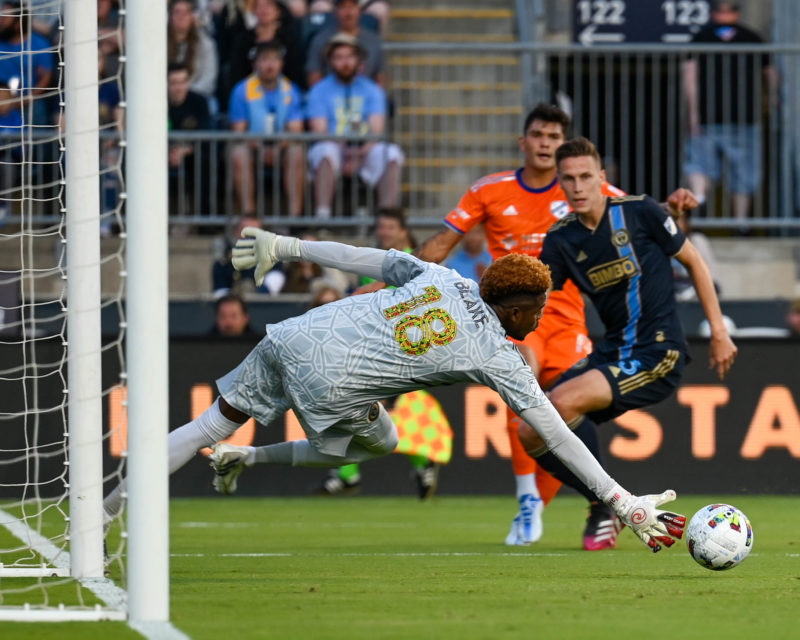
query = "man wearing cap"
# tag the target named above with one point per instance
(267, 103)
(348, 13)
(348, 103)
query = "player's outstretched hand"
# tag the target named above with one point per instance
(681, 200)
(722, 352)
(641, 513)
(256, 248)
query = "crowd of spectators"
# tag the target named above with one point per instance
(272, 66)
(248, 66)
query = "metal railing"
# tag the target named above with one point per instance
(458, 110)
(629, 99)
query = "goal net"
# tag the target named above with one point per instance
(61, 325)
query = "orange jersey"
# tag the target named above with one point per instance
(516, 219)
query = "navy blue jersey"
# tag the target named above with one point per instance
(623, 266)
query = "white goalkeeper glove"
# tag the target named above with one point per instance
(653, 526)
(262, 249)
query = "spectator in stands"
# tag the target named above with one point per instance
(109, 34)
(347, 15)
(10, 154)
(473, 257)
(231, 319)
(23, 52)
(189, 44)
(188, 111)
(392, 232)
(109, 111)
(300, 8)
(110, 118)
(273, 23)
(348, 103)
(377, 10)
(267, 103)
(722, 92)
(793, 319)
(10, 113)
(225, 279)
(323, 292)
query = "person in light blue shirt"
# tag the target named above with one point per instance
(471, 260)
(345, 103)
(267, 103)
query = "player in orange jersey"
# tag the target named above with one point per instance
(517, 209)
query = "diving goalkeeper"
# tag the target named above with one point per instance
(334, 363)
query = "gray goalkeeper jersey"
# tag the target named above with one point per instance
(433, 329)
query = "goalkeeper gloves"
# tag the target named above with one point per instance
(262, 249)
(653, 526)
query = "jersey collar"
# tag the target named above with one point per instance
(531, 189)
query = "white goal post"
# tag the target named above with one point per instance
(73, 558)
(147, 312)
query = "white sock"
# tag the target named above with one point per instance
(183, 443)
(213, 425)
(526, 485)
(323, 213)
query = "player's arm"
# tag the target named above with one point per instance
(438, 246)
(262, 249)
(434, 249)
(530, 357)
(722, 351)
(652, 525)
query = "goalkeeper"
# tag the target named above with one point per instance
(334, 363)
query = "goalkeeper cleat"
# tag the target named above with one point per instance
(337, 486)
(602, 528)
(427, 479)
(526, 528)
(228, 461)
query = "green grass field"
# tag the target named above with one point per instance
(396, 568)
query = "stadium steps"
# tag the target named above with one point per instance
(454, 112)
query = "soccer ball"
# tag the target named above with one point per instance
(719, 537)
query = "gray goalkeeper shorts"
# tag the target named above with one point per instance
(256, 387)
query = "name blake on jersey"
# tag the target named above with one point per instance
(474, 307)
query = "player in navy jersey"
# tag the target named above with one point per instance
(617, 250)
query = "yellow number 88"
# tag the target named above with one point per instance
(429, 336)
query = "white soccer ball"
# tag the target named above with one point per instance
(719, 537)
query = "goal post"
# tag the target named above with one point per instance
(147, 312)
(82, 186)
(53, 388)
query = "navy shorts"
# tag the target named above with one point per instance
(648, 376)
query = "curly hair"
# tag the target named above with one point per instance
(513, 276)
